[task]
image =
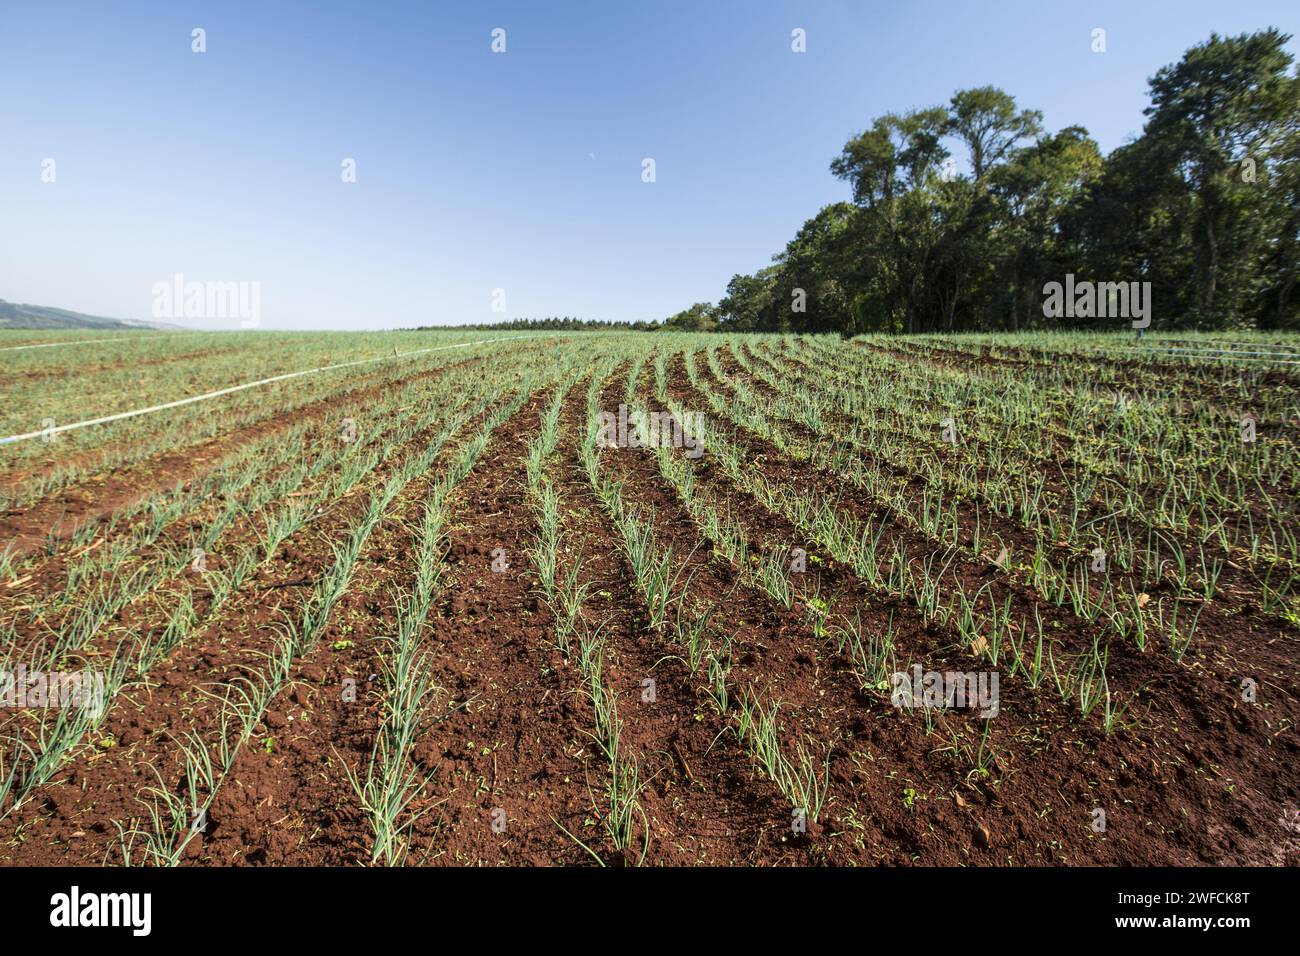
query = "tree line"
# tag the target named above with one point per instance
(552, 324)
(1204, 206)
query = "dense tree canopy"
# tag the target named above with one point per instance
(1204, 205)
(553, 324)
(701, 317)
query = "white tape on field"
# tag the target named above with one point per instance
(50, 345)
(1212, 355)
(239, 388)
(1227, 346)
(1179, 350)
(147, 336)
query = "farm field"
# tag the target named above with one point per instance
(470, 599)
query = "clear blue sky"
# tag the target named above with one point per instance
(478, 171)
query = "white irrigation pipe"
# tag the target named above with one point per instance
(147, 336)
(1222, 355)
(1186, 351)
(239, 388)
(1226, 358)
(1220, 343)
(50, 345)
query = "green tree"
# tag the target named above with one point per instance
(1226, 105)
(986, 120)
(1205, 206)
(747, 305)
(1034, 190)
(700, 317)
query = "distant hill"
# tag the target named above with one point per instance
(14, 315)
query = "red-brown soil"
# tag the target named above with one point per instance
(1191, 775)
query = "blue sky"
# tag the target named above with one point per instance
(478, 171)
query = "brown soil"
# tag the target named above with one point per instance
(99, 495)
(1190, 776)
